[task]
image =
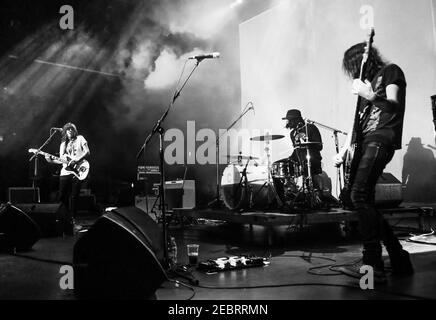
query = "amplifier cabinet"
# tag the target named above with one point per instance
(180, 194)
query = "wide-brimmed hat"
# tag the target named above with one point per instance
(293, 114)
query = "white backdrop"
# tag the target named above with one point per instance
(291, 57)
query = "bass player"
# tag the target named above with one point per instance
(378, 131)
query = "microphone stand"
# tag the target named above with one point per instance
(159, 129)
(335, 133)
(217, 203)
(35, 156)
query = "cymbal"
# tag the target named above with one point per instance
(267, 137)
(242, 157)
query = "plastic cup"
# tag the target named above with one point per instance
(193, 253)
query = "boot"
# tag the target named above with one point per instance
(400, 263)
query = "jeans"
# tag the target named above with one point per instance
(69, 186)
(370, 163)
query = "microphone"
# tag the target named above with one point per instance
(252, 108)
(212, 55)
(56, 129)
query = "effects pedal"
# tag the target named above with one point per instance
(232, 263)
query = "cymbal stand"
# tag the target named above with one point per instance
(269, 183)
(309, 164)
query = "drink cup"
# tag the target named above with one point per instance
(193, 253)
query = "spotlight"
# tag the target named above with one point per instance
(236, 3)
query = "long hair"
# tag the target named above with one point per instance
(353, 60)
(67, 126)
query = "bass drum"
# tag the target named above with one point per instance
(255, 193)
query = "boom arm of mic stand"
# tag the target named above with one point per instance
(335, 133)
(326, 127)
(234, 122)
(52, 133)
(165, 114)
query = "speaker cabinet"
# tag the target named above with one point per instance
(23, 195)
(17, 229)
(388, 191)
(119, 257)
(52, 218)
(180, 194)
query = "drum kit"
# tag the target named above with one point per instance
(283, 185)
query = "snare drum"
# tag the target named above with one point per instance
(280, 169)
(283, 168)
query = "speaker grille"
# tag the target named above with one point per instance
(116, 259)
(18, 230)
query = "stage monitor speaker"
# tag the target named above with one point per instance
(52, 218)
(119, 257)
(17, 230)
(388, 191)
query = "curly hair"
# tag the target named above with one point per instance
(352, 60)
(67, 126)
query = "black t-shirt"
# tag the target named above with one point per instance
(298, 136)
(381, 120)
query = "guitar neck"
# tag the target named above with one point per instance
(362, 75)
(54, 157)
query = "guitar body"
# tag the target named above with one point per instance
(350, 168)
(80, 170)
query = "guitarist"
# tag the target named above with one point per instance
(74, 147)
(378, 133)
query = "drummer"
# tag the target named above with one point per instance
(299, 133)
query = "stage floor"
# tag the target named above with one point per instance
(294, 256)
(302, 217)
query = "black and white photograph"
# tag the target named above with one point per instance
(217, 157)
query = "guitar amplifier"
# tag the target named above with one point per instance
(23, 195)
(180, 194)
(388, 191)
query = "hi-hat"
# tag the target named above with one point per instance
(267, 137)
(241, 157)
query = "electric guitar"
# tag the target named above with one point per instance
(349, 163)
(80, 169)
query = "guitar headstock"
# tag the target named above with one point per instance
(369, 42)
(365, 56)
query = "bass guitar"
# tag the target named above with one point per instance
(80, 169)
(349, 163)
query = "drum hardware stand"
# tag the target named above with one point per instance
(161, 131)
(310, 198)
(217, 202)
(309, 192)
(243, 182)
(269, 183)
